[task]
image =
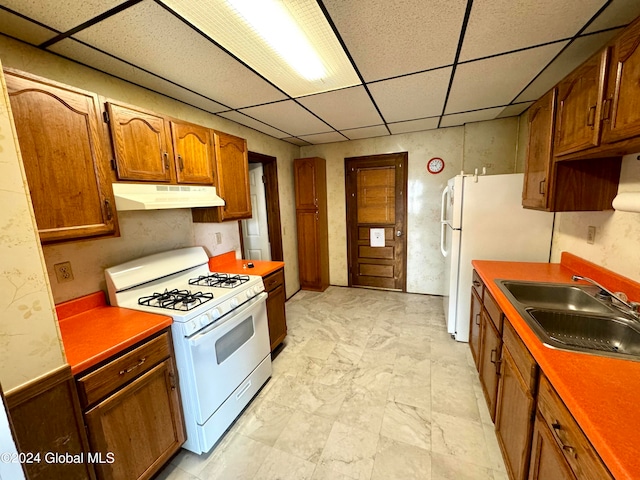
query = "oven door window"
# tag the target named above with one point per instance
(233, 340)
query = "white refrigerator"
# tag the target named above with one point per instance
(482, 219)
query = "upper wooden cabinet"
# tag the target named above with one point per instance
(193, 151)
(140, 144)
(579, 106)
(621, 112)
(232, 165)
(65, 153)
(540, 152)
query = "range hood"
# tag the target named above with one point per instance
(142, 196)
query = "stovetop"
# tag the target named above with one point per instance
(183, 300)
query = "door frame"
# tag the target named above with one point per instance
(270, 173)
(374, 160)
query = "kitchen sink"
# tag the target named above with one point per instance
(571, 317)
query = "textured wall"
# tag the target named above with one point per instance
(141, 231)
(29, 340)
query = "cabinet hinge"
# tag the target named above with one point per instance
(113, 164)
(264, 180)
(105, 116)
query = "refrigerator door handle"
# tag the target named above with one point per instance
(443, 228)
(443, 205)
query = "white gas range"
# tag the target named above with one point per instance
(220, 333)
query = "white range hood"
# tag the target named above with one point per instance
(142, 196)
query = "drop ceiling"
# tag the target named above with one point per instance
(411, 65)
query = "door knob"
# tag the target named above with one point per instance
(398, 233)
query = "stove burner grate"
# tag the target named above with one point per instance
(175, 299)
(223, 280)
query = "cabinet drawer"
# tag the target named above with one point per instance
(273, 280)
(493, 310)
(522, 359)
(575, 447)
(99, 383)
(477, 284)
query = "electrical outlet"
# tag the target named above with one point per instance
(218, 238)
(63, 272)
(591, 235)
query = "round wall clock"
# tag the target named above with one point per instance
(435, 165)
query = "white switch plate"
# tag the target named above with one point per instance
(218, 238)
(591, 235)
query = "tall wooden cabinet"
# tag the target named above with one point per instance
(311, 217)
(65, 154)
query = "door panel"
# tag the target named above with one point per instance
(375, 187)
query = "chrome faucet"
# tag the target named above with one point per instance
(632, 307)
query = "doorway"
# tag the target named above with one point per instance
(376, 200)
(262, 233)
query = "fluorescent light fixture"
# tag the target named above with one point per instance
(272, 21)
(288, 42)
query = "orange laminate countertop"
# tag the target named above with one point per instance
(603, 394)
(227, 263)
(92, 331)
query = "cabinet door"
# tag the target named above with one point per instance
(193, 153)
(65, 157)
(306, 180)
(141, 425)
(535, 193)
(233, 176)
(547, 463)
(475, 330)
(276, 316)
(622, 107)
(308, 257)
(579, 104)
(140, 144)
(513, 421)
(491, 346)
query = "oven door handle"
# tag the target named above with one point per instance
(229, 320)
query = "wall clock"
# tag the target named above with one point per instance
(435, 165)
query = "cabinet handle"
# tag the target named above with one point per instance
(172, 380)
(499, 368)
(107, 206)
(180, 162)
(567, 448)
(606, 109)
(491, 359)
(591, 116)
(541, 187)
(477, 319)
(476, 283)
(131, 369)
(166, 160)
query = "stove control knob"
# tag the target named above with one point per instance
(204, 320)
(249, 293)
(234, 302)
(258, 289)
(215, 314)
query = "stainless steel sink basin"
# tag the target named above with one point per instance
(571, 317)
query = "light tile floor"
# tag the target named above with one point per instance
(369, 385)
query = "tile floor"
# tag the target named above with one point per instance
(369, 385)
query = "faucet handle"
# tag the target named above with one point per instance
(621, 296)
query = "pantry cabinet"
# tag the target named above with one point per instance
(132, 410)
(65, 154)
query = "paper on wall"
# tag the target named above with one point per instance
(376, 237)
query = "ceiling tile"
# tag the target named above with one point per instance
(414, 125)
(499, 26)
(17, 27)
(289, 117)
(468, 117)
(331, 108)
(296, 141)
(255, 124)
(577, 52)
(618, 13)
(367, 132)
(514, 110)
(98, 60)
(329, 137)
(388, 39)
(496, 81)
(157, 41)
(61, 15)
(412, 97)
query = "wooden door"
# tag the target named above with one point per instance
(141, 425)
(193, 151)
(622, 107)
(514, 418)
(140, 143)
(539, 163)
(65, 156)
(579, 106)
(547, 462)
(490, 354)
(376, 199)
(233, 176)
(475, 331)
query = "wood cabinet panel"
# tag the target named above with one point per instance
(547, 463)
(193, 152)
(307, 188)
(308, 250)
(475, 327)
(65, 156)
(491, 346)
(140, 143)
(277, 316)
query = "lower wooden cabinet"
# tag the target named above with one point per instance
(475, 330)
(274, 285)
(133, 412)
(547, 462)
